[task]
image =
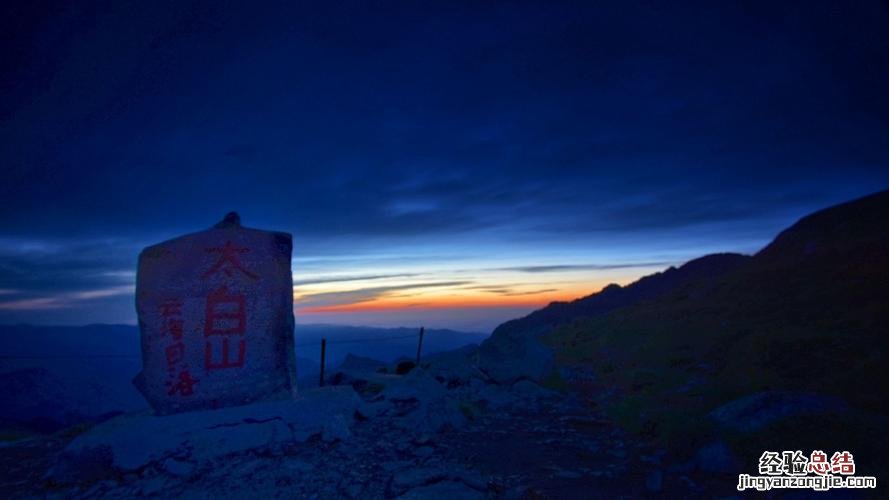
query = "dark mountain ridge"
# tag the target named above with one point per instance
(615, 296)
(807, 315)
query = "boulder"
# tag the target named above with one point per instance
(135, 441)
(415, 402)
(757, 411)
(360, 364)
(509, 356)
(437, 481)
(457, 365)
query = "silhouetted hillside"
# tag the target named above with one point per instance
(809, 313)
(614, 296)
(514, 351)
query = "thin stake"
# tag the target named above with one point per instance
(420, 344)
(323, 351)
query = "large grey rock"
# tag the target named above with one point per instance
(508, 356)
(133, 442)
(452, 478)
(417, 384)
(759, 410)
(457, 365)
(360, 364)
(216, 317)
(415, 402)
(444, 490)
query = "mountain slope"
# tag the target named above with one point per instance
(614, 296)
(808, 313)
(514, 351)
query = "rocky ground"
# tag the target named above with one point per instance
(419, 435)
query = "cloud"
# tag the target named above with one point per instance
(508, 291)
(516, 131)
(64, 300)
(531, 292)
(34, 265)
(341, 279)
(582, 267)
(360, 295)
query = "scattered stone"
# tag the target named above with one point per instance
(424, 451)
(654, 481)
(757, 411)
(443, 490)
(179, 467)
(414, 477)
(404, 367)
(153, 485)
(716, 457)
(567, 474)
(337, 428)
(423, 439)
(353, 490)
(689, 482)
(528, 388)
(406, 479)
(132, 442)
(297, 466)
(396, 465)
(459, 365)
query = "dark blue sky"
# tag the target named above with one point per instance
(482, 159)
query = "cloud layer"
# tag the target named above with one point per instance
(497, 145)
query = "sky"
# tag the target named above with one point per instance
(444, 164)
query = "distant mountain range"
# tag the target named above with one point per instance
(51, 376)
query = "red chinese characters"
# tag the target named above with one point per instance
(229, 261)
(225, 315)
(184, 385)
(180, 379)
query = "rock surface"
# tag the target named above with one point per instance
(757, 411)
(402, 442)
(216, 318)
(178, 442)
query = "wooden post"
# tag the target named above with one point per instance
(420, 345)
(323, 351)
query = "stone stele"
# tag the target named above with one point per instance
(216, 317)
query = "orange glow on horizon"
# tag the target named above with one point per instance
(444, 302)
(447, 292)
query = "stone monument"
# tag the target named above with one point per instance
(216, 319)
